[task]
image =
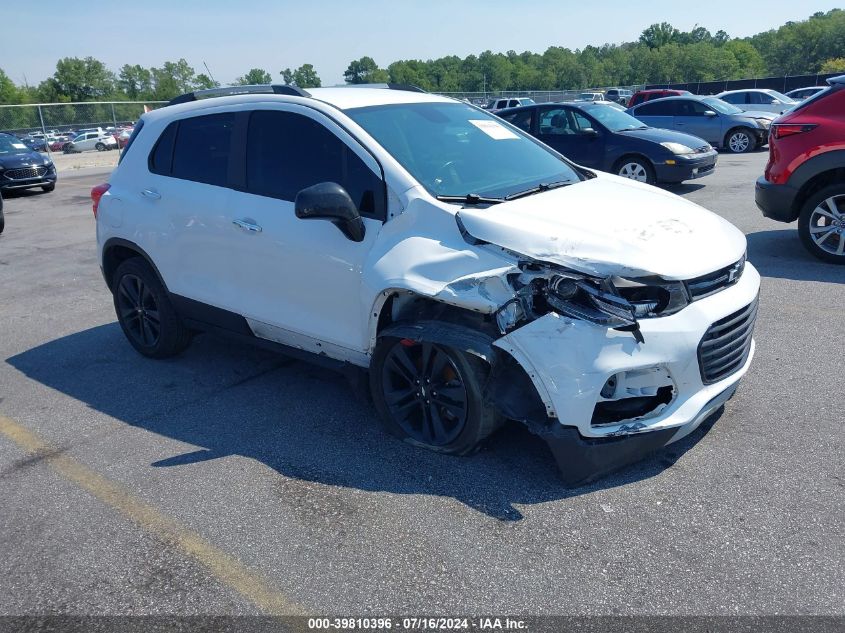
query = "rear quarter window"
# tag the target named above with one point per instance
(131, 140)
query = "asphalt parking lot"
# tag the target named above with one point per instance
(234, 481)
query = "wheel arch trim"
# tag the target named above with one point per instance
(114, 242)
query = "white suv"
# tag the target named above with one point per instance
(473, 272)
(90, 140)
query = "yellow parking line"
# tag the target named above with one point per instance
(224, 567)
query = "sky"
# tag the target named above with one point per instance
(232, 36)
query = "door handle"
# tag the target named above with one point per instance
(247, 225)
(151, 193)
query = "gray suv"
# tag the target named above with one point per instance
(720, 124)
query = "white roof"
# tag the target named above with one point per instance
(340, 97)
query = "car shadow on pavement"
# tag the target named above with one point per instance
(779, 253)
(301, 420)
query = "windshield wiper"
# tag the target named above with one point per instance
(543, 186)
(470, 198)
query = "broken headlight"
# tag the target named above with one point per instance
(653, 296)
(597, 301)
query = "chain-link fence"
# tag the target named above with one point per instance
(540, 96)
(66, 117)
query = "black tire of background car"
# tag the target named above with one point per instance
(2, 217)
(173, 336)
(642, 162)
(751, 145)
(100, 147)
(481, 418)
(804, 218)
(48, 188)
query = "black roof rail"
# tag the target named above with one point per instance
(389, 86)
(226, 91)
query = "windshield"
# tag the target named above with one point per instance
(453, 149)
(12, 145)
(721, 106)
(612, 118)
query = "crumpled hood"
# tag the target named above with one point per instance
(611, 226)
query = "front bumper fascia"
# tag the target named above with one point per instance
(569, 361)
(697, 166)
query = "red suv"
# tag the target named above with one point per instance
(641, 96)
(805, 176)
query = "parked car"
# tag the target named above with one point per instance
(719, 123)
(58, 145)
(498, 104)
(804, 179)
(2, 216)
(36, 144)
(619, 95)
(473, 272)
(602, 137)
(802, 93)
(590, 96)
(640, 96)
(23, 168)
(88, 141)
(758, 100)
(123, 137)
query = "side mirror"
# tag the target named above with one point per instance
(709, 113)
(588, 131)
(329, 201)
(775, 101)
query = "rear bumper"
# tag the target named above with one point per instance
(687, 169)
(776, 201)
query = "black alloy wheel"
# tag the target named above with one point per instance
(138, 311)
(430, 395)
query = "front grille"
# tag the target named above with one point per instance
(726, 344)
(706, 285)
(25, 173)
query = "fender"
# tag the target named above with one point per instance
(458, 336)
(824, 161)
(117, 241)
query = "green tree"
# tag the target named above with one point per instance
(365, 71)
(9, 92)
(659, 35)
(204, 82)
(136, 82)
(78, 79)
(305, 77)
(254, 76)
(836, 65)
(749, 61)
(172, 80)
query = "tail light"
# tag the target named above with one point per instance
(97, 193)
(780, 130)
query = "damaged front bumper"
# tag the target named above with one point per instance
(610, 400)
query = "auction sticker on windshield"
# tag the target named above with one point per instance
(18, 145)
(493, 129)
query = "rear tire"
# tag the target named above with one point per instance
(821, 224)
(740, 141)
(431, 395)
(145, 313)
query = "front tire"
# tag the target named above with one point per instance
(145, 313)
(635, 168)
(821, 224)
(100, 147)
(740, 141)
(431, 395)
(48, 188)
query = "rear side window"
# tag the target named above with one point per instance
(131, 140)
(201, 149)
(287, 152)
(161, 158)
(656, 108)
(736, 98)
